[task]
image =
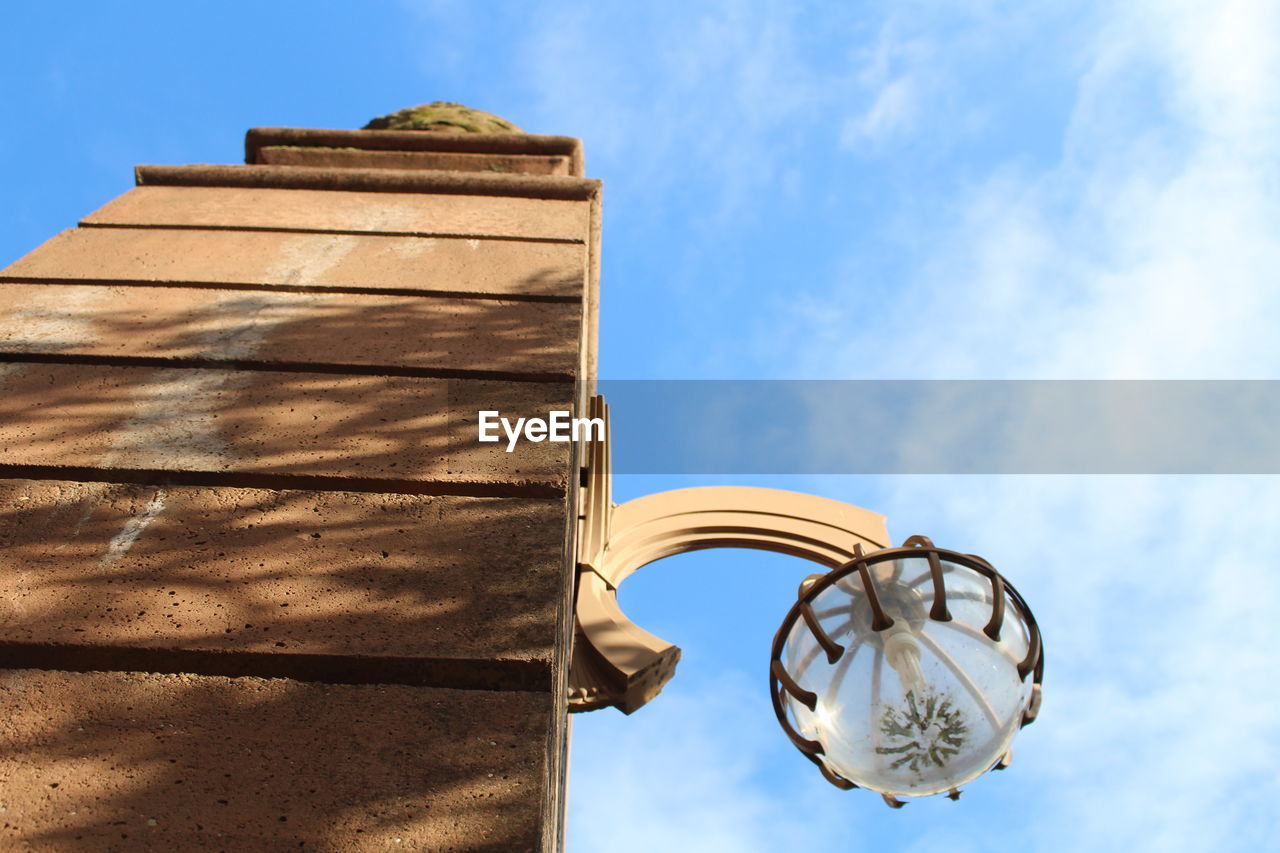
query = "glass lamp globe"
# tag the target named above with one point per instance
(908, 671)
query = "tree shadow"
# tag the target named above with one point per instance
(368, 580)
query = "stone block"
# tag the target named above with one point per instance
(448, 266)
(402, 432)
(369, 330)
(130, 761)
(444, 578)
(349, 158)
(336, 210)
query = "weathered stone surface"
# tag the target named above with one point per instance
(126, 761)
(321, 621)
(399, 429)
(288, 572)
(395, 181)
(412, 213)
(434, 265)
(350, 158)
(257, 138)
(319, 328)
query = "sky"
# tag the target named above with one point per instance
(854, 190)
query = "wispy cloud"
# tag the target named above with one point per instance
(898, 82)
(1076, 191)
(626, 796)
(894, 109)
(716, 95)
(1145, 249)
(1154, 596)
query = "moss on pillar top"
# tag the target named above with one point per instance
(443, 116)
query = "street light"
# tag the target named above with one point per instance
(906, 671)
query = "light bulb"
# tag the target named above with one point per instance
(902, 651)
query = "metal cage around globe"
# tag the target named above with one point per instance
(907, 671)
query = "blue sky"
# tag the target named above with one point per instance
(907, 190)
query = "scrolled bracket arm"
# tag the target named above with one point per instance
(617, 663)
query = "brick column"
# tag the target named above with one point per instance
(260, 588)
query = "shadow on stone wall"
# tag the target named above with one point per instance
(372, 580)
(106, 761)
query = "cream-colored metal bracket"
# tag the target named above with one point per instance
(617, 663)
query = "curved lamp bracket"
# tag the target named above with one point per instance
(615, 662)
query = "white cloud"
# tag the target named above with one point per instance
(893, 76)
(1147, 250)
(892, 110)
(715, 91)
(707, 102)
(1141, 245)
(1156, 597)
(684, 773)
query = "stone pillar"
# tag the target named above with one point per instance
(260, 587)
